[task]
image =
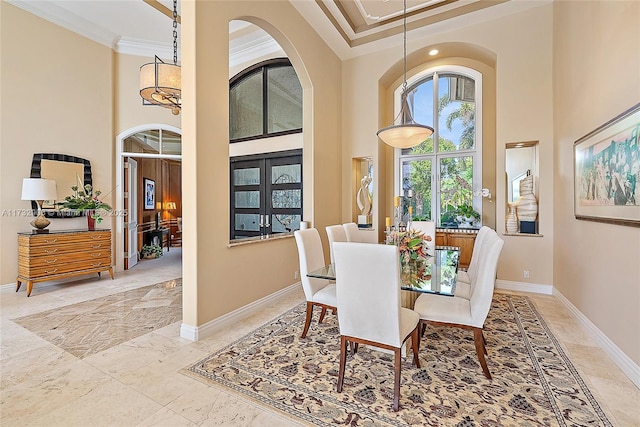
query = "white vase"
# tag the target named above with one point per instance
(527, 209)
(511, 222)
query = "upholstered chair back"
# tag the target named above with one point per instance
(478, 249)
(335, 233)
(368, 291)
(311, 258)
(484, 282)
(356, 235)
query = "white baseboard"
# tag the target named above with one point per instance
(533, 288)
(195, 333)
(630, 369)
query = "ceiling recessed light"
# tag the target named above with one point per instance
(433, 52)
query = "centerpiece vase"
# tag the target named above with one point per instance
(91, 221)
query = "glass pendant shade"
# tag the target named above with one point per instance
(407, 134)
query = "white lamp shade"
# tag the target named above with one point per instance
(39, 189)
(166, 90)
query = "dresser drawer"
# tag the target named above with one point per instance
(63, 267)
(82, 240)
(60, 254)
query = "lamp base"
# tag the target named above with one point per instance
(40, 223)
(40, 231)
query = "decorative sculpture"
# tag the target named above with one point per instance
(363, 199)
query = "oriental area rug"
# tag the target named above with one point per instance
(534, 382)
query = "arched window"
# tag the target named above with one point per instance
(443, 175)
(265, 100)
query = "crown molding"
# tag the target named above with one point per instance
(65, 19)
(246, 52)
(130, 46)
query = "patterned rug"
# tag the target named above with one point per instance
(534, 382)
(90, 327)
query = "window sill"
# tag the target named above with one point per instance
(259, 239)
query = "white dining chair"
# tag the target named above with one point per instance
(467, 313)
(428, 228)
(356, 235)
(317, 292)
(465, 278)
(335, 233)
(369, 311)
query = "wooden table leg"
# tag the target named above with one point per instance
(18, 283)
(29, 287)
(111, 272)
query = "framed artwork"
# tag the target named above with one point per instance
(606, 165)
(149, 194)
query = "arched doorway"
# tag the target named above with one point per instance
(148, 189)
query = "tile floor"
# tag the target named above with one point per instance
(136, 383)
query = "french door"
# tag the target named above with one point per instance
(266, 194)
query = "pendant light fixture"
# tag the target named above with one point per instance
(408, 133)
(160, 82)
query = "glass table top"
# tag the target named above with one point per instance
(435, 274)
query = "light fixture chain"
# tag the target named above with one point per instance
(404, 43)
(175, 32)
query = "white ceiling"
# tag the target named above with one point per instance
(350, 27)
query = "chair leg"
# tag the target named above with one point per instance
(481, 351)
(484, 342)
(308, 320)
(423, 327)
(343, 361)
(397, 361)
(322, 313)
(415, 345)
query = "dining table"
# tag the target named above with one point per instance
(436, 273)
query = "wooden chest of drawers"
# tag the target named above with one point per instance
(61, 254)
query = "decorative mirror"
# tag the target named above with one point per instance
(65, 170)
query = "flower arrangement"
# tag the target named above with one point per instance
(85, 198)
(412, 245)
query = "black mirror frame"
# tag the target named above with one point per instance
(36, 167)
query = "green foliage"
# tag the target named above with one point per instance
(85, 199)
(151, 251)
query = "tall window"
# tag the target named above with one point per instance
(444, 173)
(266, 194)
(265, 100)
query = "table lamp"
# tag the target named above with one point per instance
(39, 189)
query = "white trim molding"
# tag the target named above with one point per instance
(533, 288)
(624, 362)
(196, 333)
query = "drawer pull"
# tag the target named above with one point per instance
(51, 261)
(97, 264)
(96, 246)
(50, 241)
(51, 271)
(51, 251)
(97, 255)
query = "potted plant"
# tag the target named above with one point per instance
(85, 201)
(151, 251)
(466, 215)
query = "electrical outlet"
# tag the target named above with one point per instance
(296, 274)
(526, 274)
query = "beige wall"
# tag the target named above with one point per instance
(57, 97)
(218, 279)
(514, 55)
(596, 69)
